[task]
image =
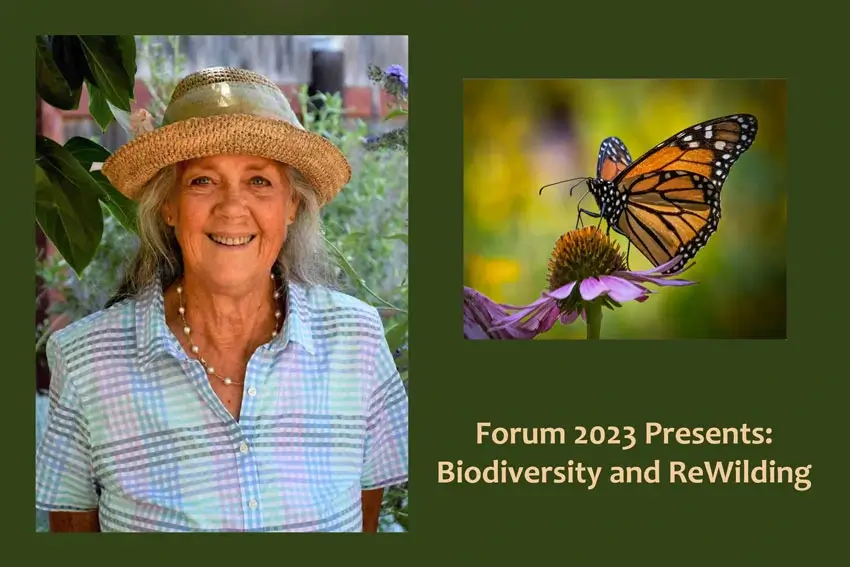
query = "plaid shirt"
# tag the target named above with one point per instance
(136, 432)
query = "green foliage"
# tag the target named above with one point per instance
(68, 194)
(391, 145)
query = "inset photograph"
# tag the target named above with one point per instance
(221, 283)
(625, 209)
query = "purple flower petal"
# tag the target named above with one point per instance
(479, 313)
(562, 292)
(567, 318)
(591, 288)
(658, 269)
(542, 319)
(621, 290)
(658, 280)
(549, 320)
(530, 310)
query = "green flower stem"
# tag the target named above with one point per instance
(593, 311)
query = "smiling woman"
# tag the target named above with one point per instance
(226, 386)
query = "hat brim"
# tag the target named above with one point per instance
(316, 158)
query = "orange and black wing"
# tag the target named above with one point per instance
(613, 158)
(708, 149)
(669, 213)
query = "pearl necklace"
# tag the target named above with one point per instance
(188, 332)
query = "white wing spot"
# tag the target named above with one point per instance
(720, 145)
(708, 134)
(680, 134)
(741, 120)
(688, 138)
(698, 127)
(719, 172)
(726, 156)
(693, 145)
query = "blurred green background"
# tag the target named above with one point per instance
(521, 134)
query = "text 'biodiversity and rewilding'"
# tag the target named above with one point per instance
(735, 470)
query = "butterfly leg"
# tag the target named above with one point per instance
(588, 213)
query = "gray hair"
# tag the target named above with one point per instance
(303, 259)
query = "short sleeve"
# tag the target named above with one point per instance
(63, 474)
(386, 457)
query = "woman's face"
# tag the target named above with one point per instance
(230, 214)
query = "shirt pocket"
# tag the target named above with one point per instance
(313, 464)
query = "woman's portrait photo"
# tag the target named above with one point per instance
(221, 280)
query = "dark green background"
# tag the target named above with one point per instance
(793, 386)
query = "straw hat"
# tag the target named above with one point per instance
(224, 110)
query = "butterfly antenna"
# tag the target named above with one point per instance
(583, 180)
(564, 181)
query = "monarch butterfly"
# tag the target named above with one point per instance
(667, 202)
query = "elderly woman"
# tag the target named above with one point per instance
(227, 387)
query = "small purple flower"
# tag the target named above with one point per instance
(395, 73)
(586, 271)
(393, 80)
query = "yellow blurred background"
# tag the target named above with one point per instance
(521, 134)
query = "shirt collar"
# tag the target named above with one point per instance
(156, 339)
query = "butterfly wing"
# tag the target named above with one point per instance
(613, 158)
(709, 149)
(670, 213)
(673, 203)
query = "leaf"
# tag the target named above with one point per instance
(121, 116)
(98, 107)
(107, 66)
(69, 57)
(66, 204)
(345, 264)
(398, 236)
(122, 208)
(395, 335)
(50, 83)
(395, 113)
(86, 151)
(127, 47)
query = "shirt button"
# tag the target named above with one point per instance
(243, 447)
(252, 503)
(252, 391)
